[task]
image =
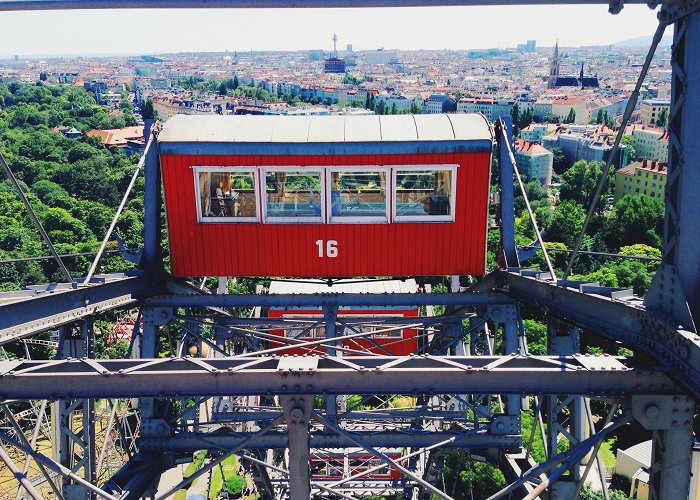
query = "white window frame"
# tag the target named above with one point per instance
(359, 219)
(293, 220)
(422, 168)
(219, 169)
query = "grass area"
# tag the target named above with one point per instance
(607, 454)
(230, 469)
(199, 458)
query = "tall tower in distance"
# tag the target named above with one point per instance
(554, 67)
(335, 41)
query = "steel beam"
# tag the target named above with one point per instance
(244, 375)
(506, 207)
(259, 4)
(137, 476)
(49, 307)
(614, 314)
(330, 299)
(152, 202)
(406, 438)
(675, 290)
(297, 412)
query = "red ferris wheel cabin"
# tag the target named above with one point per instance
(326, 195)
(370, 329)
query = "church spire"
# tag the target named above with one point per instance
(554, 67)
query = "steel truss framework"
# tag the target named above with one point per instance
(355, 412)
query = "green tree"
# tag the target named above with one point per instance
(393, 108)
(571, 117)
(536, 334)
(608, 120)
(147, 110)
(526, 118)
(567, 223)
(235, 82)
(559, 162)
(515, 118)
(635, 219)
(599, 116)
(579, 182)
(589, 494)
(234, 485)
(62, 227)
(662, 119)
(629, 144)
(223, 90)
(125, 105)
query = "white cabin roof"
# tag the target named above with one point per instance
(325, 129)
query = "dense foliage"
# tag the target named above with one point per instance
(74, 185)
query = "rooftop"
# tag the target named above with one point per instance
(118, 136)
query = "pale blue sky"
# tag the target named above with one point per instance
(154, 31)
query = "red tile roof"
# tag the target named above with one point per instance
(118, 136)
(530, 147)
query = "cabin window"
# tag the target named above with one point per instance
(307, 327)
(293, 196)
(226, 195)
(358, 195)
(424, 193)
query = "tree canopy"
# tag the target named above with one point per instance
(74, 185)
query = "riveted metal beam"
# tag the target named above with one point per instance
(245, 375)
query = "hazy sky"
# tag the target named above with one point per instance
(172, 30)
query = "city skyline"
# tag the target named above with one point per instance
(68, 33)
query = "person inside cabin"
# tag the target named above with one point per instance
(223, 195)
(221, 201)
(440, 201)
(336, 199)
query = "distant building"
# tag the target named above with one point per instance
(556, 80)
(586, 142)
(168, 106)
(534, 161)
(641, 177)
(634, 464)
(69, 132)
(400, 102)
(649, 142)
(536, 131)
(439, 103)
(128, 138)
(529, 46)
(381, 56)
(554, 67)
(649, 109)
(334, 65)
(97, 88)
(491, 108)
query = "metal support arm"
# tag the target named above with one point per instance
(582, 375)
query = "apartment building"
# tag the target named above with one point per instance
(646, 177)
(534, 161)
(649, 142)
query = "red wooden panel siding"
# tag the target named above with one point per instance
(394, 249)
